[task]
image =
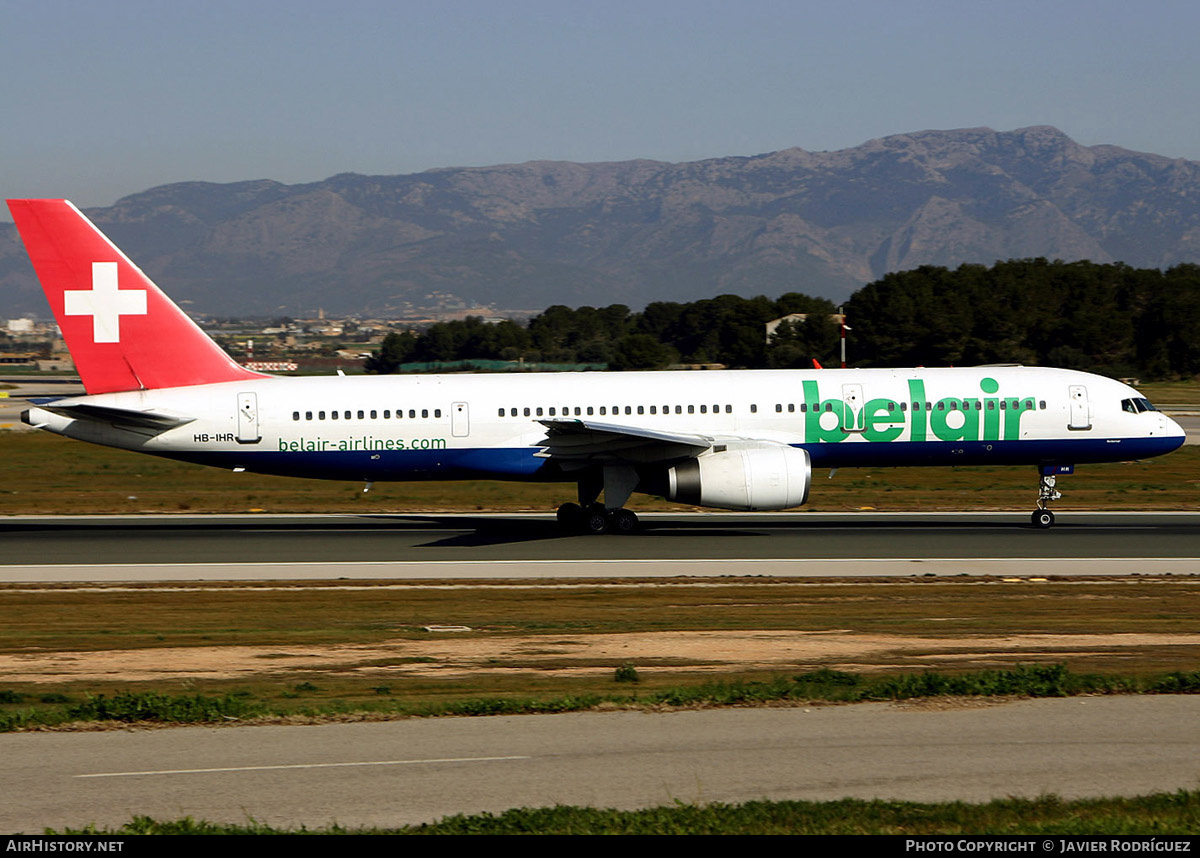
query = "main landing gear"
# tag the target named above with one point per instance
(1042, 517)
(589, 516)
(594, 518)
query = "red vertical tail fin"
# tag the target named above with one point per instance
(123, 333)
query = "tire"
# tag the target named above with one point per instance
(595, 520)
(623, 521)
(1042, 518)
(570, 516)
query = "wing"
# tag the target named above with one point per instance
(584, 441)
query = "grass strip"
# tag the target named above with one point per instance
(1156, 814)
(826, 685)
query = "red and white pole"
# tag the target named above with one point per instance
(843, 315)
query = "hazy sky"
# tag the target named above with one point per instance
(104, 98)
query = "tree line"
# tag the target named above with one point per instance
(1107, 318)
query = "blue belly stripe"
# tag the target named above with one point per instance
(521, 463)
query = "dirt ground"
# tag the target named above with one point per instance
(463, 654)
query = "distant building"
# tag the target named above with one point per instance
(58, 363)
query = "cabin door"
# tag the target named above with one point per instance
(1081, 409)
(248, 419)
(460, 422)
(852, 406)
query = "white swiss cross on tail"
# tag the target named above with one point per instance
(105, 303)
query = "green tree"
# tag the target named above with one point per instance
(641, 351)
(393, 351)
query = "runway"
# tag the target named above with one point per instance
(502, 546)
(423, 769)
(418, 770)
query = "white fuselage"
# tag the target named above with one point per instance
(487, 426)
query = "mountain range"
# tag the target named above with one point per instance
(551, 232)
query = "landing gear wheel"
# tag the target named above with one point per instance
(595, 520)
(1042, 518)
(622, 521)
(570, 516)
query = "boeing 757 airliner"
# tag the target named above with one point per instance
(738, 439)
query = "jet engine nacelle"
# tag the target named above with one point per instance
(751, 478)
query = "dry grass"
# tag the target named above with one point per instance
(362, 648)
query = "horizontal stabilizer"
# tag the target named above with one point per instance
(120, 417)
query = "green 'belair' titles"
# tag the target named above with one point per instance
(985, 418)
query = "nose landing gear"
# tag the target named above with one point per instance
(1042, 517)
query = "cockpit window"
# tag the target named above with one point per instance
(1137, 405)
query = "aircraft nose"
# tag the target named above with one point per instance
(1174, 430)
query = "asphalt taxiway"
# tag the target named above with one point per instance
(423, 769)
(265, 547)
